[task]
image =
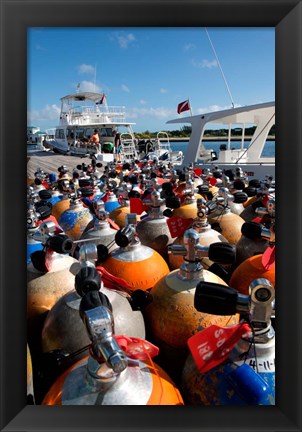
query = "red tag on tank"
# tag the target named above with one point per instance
(136, 206)
(178, 225)
(257, 219)
(212, 346)
(269, 257)
(105, 197)
(198, 171)
(136, 348)
(212, 181)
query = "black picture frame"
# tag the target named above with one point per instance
(16, 17)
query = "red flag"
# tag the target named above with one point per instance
(183, 106)
(100, 102)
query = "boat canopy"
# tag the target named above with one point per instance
(261, 115)
(83, 96)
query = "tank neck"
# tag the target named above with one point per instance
(190, 270)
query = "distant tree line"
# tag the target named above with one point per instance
(185, 132)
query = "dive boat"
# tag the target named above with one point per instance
(250, 159)
(81, 114)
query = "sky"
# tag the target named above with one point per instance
(149, 70)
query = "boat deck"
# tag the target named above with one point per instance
(50, 162)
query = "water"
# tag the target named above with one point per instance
(268, 151)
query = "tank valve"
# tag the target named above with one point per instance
(127, 236)
(96, 313)
(258, 306)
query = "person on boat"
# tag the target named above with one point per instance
(95, 139)
(117, 143)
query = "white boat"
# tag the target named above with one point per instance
(82, 113)
(249, 159)
(36, 140)
(160, 149)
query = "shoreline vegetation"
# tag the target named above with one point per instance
(205, 138)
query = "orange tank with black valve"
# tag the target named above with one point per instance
(206, 234)
(140, 266)
(188, 208)
(112, 375)
(171, 317)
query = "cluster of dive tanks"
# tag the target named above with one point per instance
(126, 263)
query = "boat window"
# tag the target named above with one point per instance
(80, 133)
(60, 133)
(88, 133)
(106, 132)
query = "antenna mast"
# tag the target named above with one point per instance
(218, 62)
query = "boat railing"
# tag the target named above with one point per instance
(82, 115)
(163, 145)
(127, 147)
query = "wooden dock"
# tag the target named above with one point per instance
(49, 162)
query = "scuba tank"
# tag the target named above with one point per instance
(170, 317)
(140, 266)
(75, 219)
(246, 374)
(226, 222)
(118, 215)
(34, 240)
(111, 202)
(58, 208)
(98, 231)
(188, 208)
(63, 329)
(109, 376)
(257, 266)
(50, 275)
(259, 193)
(153, 230)
(235, 188)
(256, 236)
(206, 235)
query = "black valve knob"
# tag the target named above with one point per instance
(256, 204)
(203, 189)
(93, 299)
(84, 182)
(102, 252)
(167, 189)
(215, 299)
(86, 280)
(222, 253)
(239, 184)
(251, 230)
(240, 197)
(173, 202)
(134, 194)
(250, 191)
(44, 211)
(86, 191)
(124, 237)
(140, 299)
(60, 243)
(255, 183)
(45, 194)
(168, 213)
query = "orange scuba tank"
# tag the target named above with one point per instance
(170, 317)
(30, 388)
(227, 223)
(62, 205)
(188, 208)
(108, 376)
(206, 236)
(140, 266)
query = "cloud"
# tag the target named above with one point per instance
(163, 90)
(89, 86)
(125, 88)
(205, 64)
(124, 39)
(160, 113)
(49, 112)
(142, 102)
(189, 47)
(212, 108)
(86, 69)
